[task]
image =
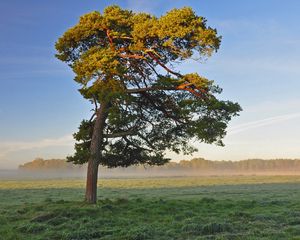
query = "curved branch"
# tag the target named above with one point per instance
(95, 103)
(92, 117)
(110, 39)
(152, 55)
(160, 107)
(183, 87)
(153, 69)
(146, 140)
(124, 37)
(120, 134)
(135, 56)
(134, 145)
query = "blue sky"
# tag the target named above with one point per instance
(257, 65)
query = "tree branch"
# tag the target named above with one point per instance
(110, 39)
(142, 90)
(153, 69)
(135, 56)
(95, 103)
(124, 37)
(134, 145)
(152, 55)
(92, 117)
(161, 107)
(146, 140)
(120, 134)
(188, 88)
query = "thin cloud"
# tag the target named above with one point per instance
(263, 65)
(7, 147)
(261, 123)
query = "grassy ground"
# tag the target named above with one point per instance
(165, 208)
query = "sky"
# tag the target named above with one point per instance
(258, 65)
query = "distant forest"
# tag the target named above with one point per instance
(197, 164)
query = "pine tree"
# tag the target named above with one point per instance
(124, 63)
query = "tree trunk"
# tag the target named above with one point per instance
(96, 154)
(91, 181)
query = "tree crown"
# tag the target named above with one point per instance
(126, 60)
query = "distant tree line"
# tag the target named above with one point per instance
(50, 164)
(243, 165)
(197, 164)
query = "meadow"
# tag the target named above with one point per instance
(237, 207)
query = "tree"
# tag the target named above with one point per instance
(124, 63)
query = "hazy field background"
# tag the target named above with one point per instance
(116, 173)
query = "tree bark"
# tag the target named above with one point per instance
(96, 154)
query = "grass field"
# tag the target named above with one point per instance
(253, 207)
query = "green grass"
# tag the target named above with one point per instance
(253, 207)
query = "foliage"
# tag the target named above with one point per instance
(123, 61)
(257, 211)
